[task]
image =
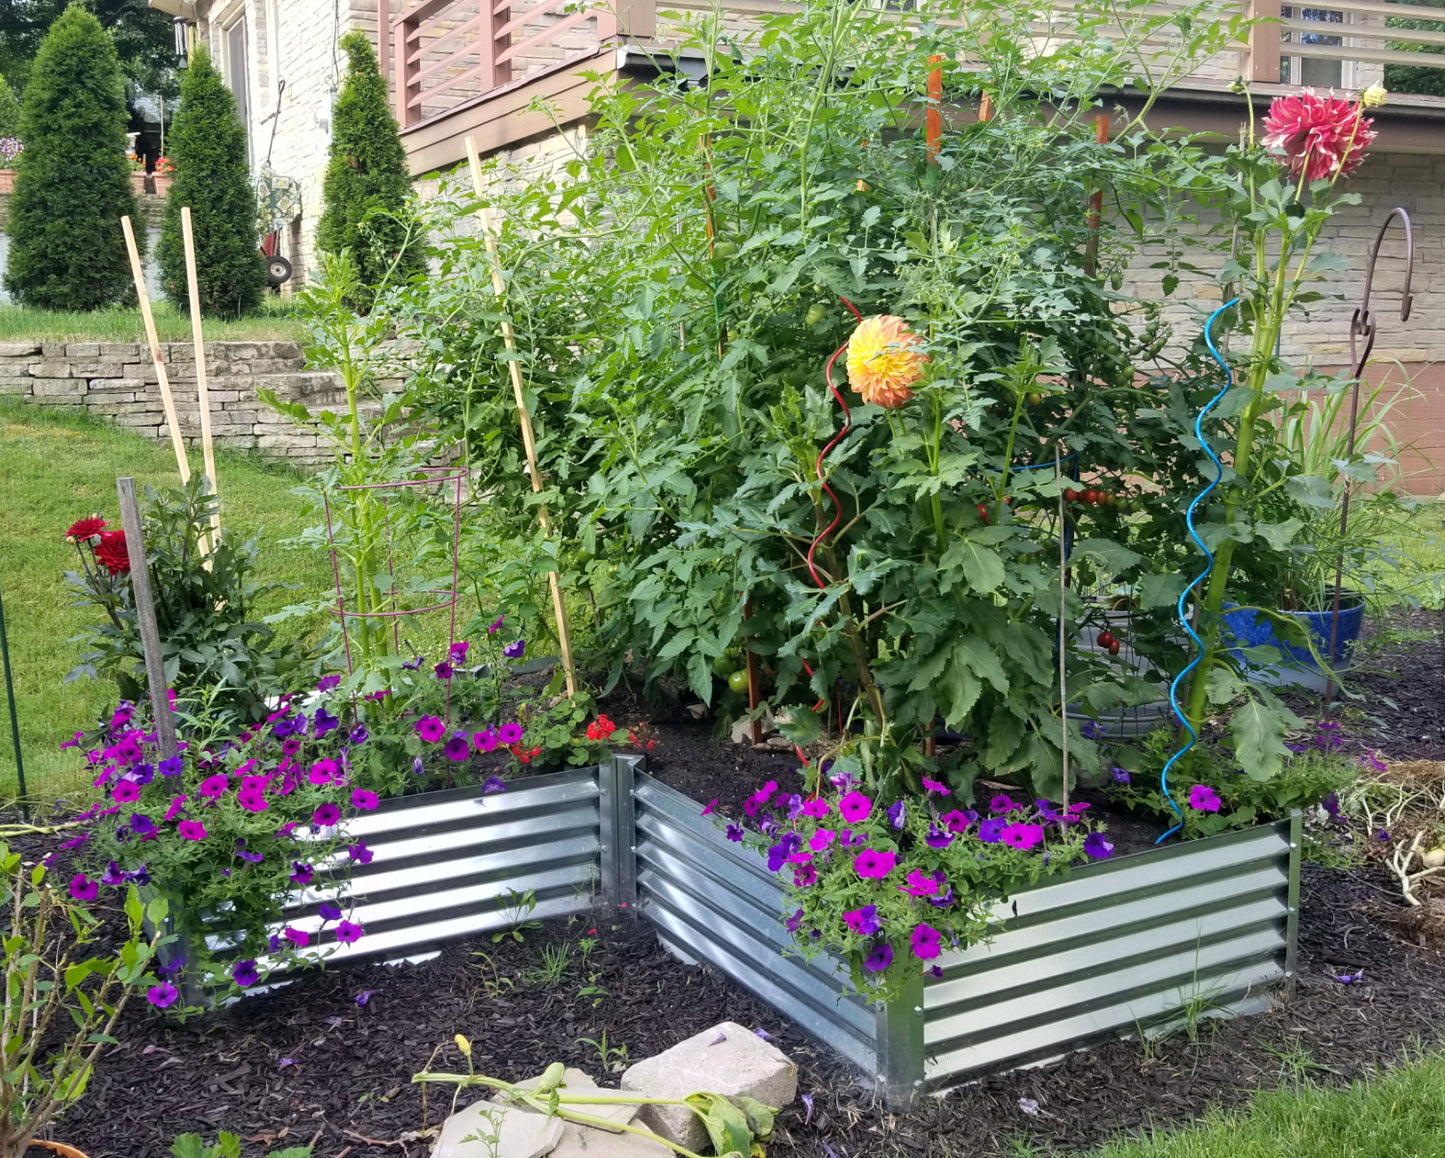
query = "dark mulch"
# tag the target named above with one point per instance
(1399, 703)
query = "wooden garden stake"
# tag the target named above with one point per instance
(509, 339)
(933, 115)
(207, 449)
(145, 611)
(1096, 203)
(138, 273)
(1063, 680)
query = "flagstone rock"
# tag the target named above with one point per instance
(728, 1059)
(484, 1129)
(577, 1081)
(583, 1142)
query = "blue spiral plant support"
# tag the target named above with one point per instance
(1203, 575)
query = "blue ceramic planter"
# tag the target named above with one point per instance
(1251, 630)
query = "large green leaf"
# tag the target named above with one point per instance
(1258, 729)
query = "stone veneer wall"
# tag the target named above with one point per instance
(117, 380)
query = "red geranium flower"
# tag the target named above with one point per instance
(1321, 135)
(112, 554)
(85, 529)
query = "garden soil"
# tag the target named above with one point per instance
(329, 1059)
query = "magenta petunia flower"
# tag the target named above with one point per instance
(175, 808)
(162, 996)
(252, 801)
(509, 733)
(82, 888)
(458, 748)
(430, 729)
(919, 884)
(485, 740)
(1202, 798)
(855, 807)
(805, 875)
(213, 786)
(325, 815)
(873, 865)
(443, 670)
(125, 792)
(816, 808)
(298, 937)
(458, 651)
(322, 772)
(359, 853)
(1023, 836)
(957, 822)
(926, 942)
(935, 786)
(821, 839)
(192, 829)
(364, 800)
(755, 802)
(863, 922)
(348, 932)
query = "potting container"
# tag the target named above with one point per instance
(1298, 665)
(1122, 723)
(1111, 947)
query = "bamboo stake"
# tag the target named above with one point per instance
(1063, 679)
(207, 449)
(138, 273)
(529, 442)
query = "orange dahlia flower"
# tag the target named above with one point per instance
(884, 361)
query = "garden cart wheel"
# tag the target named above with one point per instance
(278, 270)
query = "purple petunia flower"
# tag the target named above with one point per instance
(879, 958)
(493, 784)
(1023, 836)
(171, 766)
(430, 729)
(162, 996)
(114, 875)
(417, 767)
(325, 815)
(1373, 762)
(443, 670)
(328, 912)
(348, 931)
(250, 857)
(82, 888)
(855, 807)
(937, 837)
(302, 874)
(1092, 729)
(358, 735)
(735, 832)
(795, 806)
(1121, 776)
(458, 748)
(414, 664)
(1001, 803)
(364, 996)
(896, 815)
(359, 853)
(873, 865)
(1348, 978)
(793, 923)
(514, 650)
(1331, 805)
(510, 733)
(326, 683)
(245, 973)
(863, 922)
(1097, 846)
(363, 799)
(282, 728)
(143, 826)
(990, 831)
(325, 722)
(926, 941)
(143, 773)
(1202, 798)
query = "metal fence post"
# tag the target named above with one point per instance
(900, 1045)
(1291, 946)
(624, 829)
(607, 830)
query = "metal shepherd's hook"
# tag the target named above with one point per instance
(1362, 342)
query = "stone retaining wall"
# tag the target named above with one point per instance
(118, 381)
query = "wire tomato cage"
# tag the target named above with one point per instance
(434, 477)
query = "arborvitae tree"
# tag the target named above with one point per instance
(9, 110)
(73, 182)
(207, 143)
(367, 175)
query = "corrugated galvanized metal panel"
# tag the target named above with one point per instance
(717, 902)
(452, 864)
(1118, 945)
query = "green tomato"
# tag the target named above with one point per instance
(738, 681)
(816, 313)
(724, 665)
(724, 251)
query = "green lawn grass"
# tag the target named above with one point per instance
(276, 321)
(1398, 1115)
(60, 466)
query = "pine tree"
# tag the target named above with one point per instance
(73, 184)
(207, 143)
(367, 175)
(9, 110)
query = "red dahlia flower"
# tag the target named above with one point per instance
(84, 529)
(1320, 135)
(112, 554)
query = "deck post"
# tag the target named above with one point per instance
(1264, 37)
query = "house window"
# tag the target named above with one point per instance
(238, 74)
(1311, 70)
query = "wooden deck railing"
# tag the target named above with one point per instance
(446, 52)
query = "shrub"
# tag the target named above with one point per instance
(208, 149)
(73, 182)
(9, 110)
(367, 186)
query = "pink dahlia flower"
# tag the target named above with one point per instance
(1320, 135)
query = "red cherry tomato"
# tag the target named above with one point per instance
(1105, 638)
(1114, 647)
(1071, 496)
(1091, 497)
(982, 511)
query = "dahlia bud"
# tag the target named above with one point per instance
(1374, 96)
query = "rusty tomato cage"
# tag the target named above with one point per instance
(377, 600)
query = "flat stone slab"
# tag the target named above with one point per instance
(583, 1142)
(728, 1059)
(577, 1081)
(484, 1129)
